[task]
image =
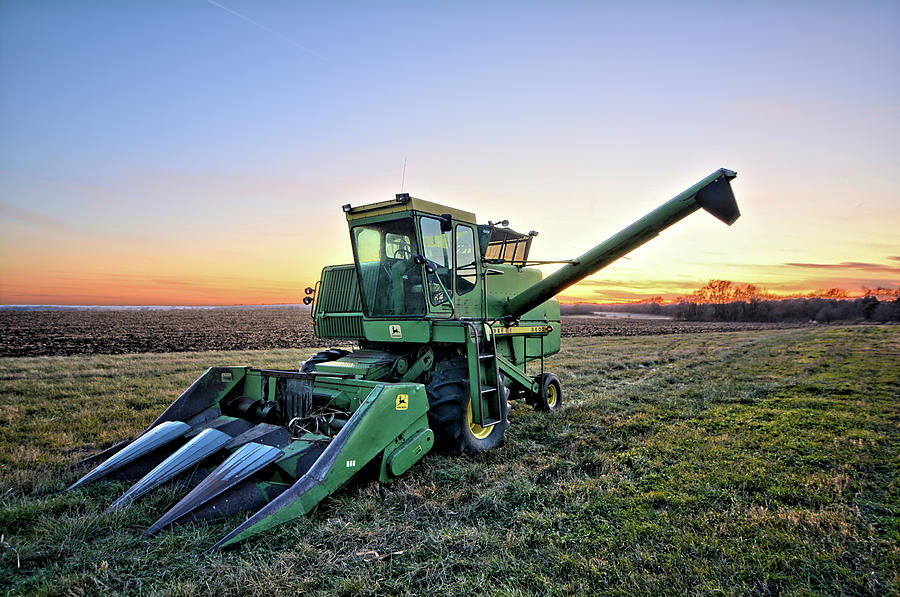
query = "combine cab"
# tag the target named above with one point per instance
(451, 324)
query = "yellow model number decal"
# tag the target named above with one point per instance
(524, 329)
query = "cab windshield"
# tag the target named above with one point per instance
(390, 280)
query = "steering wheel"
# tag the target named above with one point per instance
(400, 255)
(403, 253)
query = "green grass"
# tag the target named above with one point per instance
(760, 462)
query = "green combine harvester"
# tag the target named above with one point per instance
(451, 324)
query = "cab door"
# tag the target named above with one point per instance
(467, 283)
(437, 248)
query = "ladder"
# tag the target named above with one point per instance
(484, 376)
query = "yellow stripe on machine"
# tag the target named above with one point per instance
(519, 330)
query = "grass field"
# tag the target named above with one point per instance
(756, 462)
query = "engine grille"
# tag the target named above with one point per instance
(338, 306)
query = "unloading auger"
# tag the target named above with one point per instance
(450, 324)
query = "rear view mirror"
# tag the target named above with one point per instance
(420, 260)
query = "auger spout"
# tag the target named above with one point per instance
(713, 194)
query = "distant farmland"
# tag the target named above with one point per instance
(35, 333)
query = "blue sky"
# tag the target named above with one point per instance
(212, 143)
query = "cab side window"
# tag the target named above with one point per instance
(437, 246)
(466, 269)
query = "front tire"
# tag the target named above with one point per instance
(450, 411)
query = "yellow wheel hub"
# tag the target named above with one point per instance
(552, 395)
(477, 430)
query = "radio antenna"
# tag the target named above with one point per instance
(403, 177)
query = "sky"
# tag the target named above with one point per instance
(198, 152)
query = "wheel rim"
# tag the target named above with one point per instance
(552, 395)
(477, 430)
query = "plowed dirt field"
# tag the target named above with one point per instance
(35, 333)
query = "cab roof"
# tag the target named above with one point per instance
(404, 202)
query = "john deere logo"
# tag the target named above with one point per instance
(396, 332)
(402, 401)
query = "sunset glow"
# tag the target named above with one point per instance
(177, 154)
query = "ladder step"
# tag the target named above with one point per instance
(486, 355)
(488, 390)
(490, 422)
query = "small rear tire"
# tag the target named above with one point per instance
(550, 396)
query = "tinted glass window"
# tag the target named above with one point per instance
(437, 249)
(466, 272)
(389, 279)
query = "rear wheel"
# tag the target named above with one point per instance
(550, 396)
(450, 412)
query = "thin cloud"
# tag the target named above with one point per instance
(638, 284)
(15, 212)
(869, 267)
(613, 296)
(627, 290)
(852, 284)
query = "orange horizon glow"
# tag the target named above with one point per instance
(197, 269)
(131, 289)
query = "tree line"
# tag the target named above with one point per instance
(723, 300)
